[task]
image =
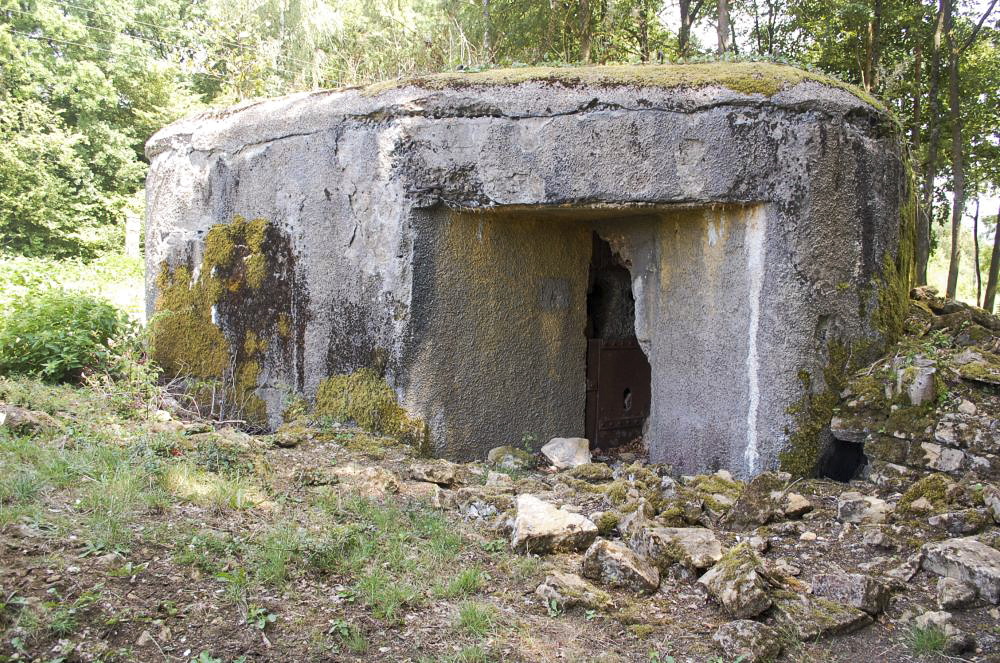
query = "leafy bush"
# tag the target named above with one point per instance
(58, 336)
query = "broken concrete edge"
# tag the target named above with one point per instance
(668, 87)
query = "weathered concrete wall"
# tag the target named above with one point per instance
(757, 211)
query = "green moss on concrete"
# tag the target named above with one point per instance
(813, 414)
(893, 288)
(365, 398)
(750, 78)
(188, 343)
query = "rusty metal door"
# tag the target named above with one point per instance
(618, 391)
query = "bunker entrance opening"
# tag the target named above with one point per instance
(618, 373)
(842, 461)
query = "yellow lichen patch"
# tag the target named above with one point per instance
(744, 77)
(365, 398)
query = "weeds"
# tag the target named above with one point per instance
(466, 583)
(476, 619)
(930, 640)
(349, 636)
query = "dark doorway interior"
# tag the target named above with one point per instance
(842, 461)
(618, 373)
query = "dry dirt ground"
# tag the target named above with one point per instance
(128, 539)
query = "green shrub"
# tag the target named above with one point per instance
(57, 336)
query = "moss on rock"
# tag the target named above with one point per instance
(935, 488)
(365, 398)
(750, 78)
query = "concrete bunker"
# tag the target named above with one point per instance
(459, 242)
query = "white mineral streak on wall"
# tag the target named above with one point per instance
(755, 229)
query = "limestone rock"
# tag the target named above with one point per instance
(616, 565)
(853, 507)
(952, 593)
(796, 506)
(961, 523)
(370, 481)
(759, 503)
(739, 583)
(540, 528)
(847, 429)
(441, 472)
(482, 501)
(815, 617)
(566, 452)
(569, 590)
(511, 458)
(693, 547)
(984, 367)
(22, 420)
(967, 560)
(592, 472)
(853, 589)
(991, 497)
(917, 382)
(958, 641)
(748, 641)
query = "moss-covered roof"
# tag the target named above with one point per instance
(744, 77)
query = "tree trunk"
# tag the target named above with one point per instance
(684, 32)
(934, 139)
(957, 165)
(487, 55)
(991, 278)
(585, 31)
(688, 15)
(643, 31)
(722, 27)
(975, 244)
(870, 71)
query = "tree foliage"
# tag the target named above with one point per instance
(86, 82)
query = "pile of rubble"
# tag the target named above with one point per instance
(910, 543)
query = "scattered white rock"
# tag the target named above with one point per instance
(442, 472)
(541, 528)
(967, 407)
(567, 452)
(853, 507)
(854, 589)
(748, 641)
(615, 565)
(693, 547)
(967, 560)
(953, 594)
(568, 590)
(739, 583)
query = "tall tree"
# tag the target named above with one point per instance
(956, 47)
(690, 11)
(722, 26)
(941, 22)
(994, 273)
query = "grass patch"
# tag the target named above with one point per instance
(930, 640)
(187, 482)
(466, 583)
(277, 554)
(476, 619)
